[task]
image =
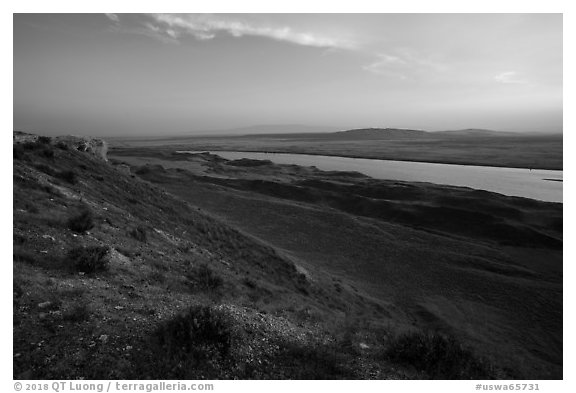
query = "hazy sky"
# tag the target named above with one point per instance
(129, 74)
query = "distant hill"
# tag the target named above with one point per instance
(354, 134)
(377, 133)
(380, 133)
(275, 129)
(476, 132)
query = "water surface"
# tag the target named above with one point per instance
(541, 184)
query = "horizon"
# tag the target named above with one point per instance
(250, 131)
(135, 75)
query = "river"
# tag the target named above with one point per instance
(544, 185)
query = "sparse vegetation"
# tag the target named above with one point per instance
(203, 277)
(18, 151)
(139, 233)
(21, 255)
(47, 151)
(82, 222)
(18, 239)
(68, 176)
(156, 277)
(438, 356)
(189, 340)
(42, 146)
(125, 251)
(78, 313)
(29, 145)
(90, 259)
(143, 170)
(313, 362)
(46, 169)
(61, 145)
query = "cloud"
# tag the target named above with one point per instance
(404, 65)
(206, 27)
(388, 65)
(509, 77)
(113, 17)
(144, 30)
(400, 63)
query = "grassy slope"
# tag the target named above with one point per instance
(493, 290)
(183, 295)
(70, 325)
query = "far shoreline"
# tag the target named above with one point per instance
(444, 162)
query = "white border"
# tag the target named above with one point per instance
(355, 6)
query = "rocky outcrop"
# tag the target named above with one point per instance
(94, 146)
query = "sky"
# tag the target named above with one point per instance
(185, 74)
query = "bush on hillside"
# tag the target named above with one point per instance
(90, 259)
(17, 151)
(438, 356)
(78, 313)
(46, 169)
(201, 333)
(82, 222)
(29, 145)
(143, 170)
(139, 233)
(61, 145)
(205, 278)
(68, 176)
(47, 152)
(44, 140)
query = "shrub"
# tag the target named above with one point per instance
(201, 333)
(312, 361)
(68, 176)
(47, 152)
(250, 283)
(49, 189)
(156, 277)
(18, 239)
(143, 170)
(46, 169)
(78, 313)
(17, 290)
(44, 140)
(438, 356)
(29, 145)
(20, 255)
(139, 233)
(205, 278)
(90, 259)
(61, 145)
(51, 260)
(124, 251)
(82, 222)
(17, 151)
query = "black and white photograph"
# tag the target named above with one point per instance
(287, 196)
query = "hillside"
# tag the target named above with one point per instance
(114, 277)
(481, 267)
(193, 268)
